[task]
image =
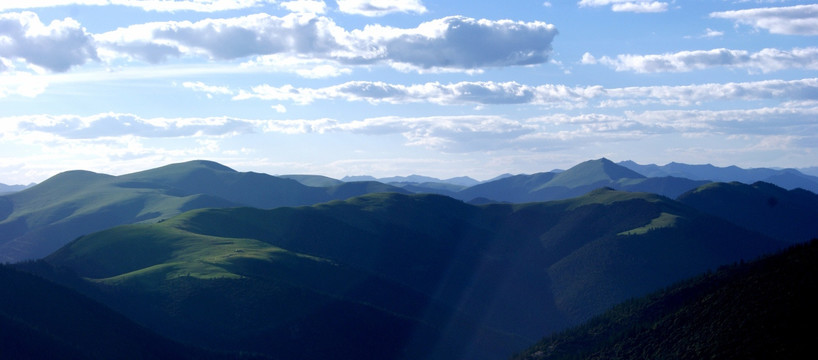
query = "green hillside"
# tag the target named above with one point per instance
(36, 221)
(760, 310)
(449, 280)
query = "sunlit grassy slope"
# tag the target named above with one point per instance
(452, 280)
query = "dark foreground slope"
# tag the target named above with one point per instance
(392, 276)
(760, 310)
(36, 221)
(42, 320)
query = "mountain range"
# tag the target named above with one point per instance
(304, 266)
(450, 280)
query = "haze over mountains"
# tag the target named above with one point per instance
(305, 266)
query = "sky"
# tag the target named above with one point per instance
(397, 87)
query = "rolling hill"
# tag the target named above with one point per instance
(760, 310)
(38, 220)
(427, 276)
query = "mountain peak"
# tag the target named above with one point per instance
(593, 172)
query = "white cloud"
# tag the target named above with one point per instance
(639, 6)
(57, 46)
(380, 7)
(455, 42)
(791, 20)
(148, 5)
(305, 6)
(766, 60)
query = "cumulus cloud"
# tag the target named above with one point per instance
(449, 43)
(380, 7)
(790, 20)
(638, 6)
(766, 60)
(57, 46)
(148, 5)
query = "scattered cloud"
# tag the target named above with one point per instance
(638, 6)
(766, 60)
(790, 20)
(57, 46)
(710, 33)
(380, 7)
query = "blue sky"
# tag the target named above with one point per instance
(389, 87)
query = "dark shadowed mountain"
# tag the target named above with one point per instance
(761, 310)
(761, 207)
(392, 276)
(786, 178)
(36, 221)
(574, 182)
(42, 320)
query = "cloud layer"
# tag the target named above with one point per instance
(551, 95)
